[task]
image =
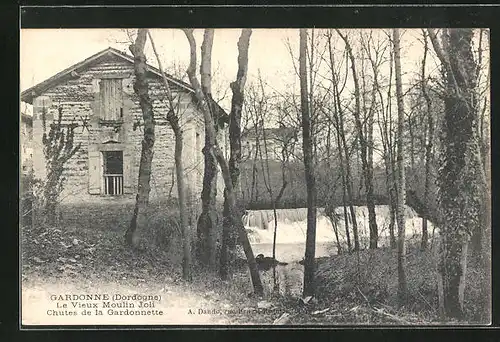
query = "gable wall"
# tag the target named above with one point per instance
(77, 98)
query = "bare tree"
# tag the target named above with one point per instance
(207, 221)
(384, 118)
(174, 121)
(203, 100)
(401, 191)
(429, 139)
(237, 102)
(141, 89)
(363, 146)
(309, 262)
(266, 170)
(345, 167)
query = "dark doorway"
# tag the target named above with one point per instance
(113, 172)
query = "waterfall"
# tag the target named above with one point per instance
(292, 225)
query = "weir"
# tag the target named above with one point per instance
(291, 238)
(292, 225)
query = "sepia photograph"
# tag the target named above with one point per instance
(255, 176)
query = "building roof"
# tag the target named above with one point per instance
(29, 94)
(278, 133)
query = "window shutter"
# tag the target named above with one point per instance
(128, 180)
(111, 98)
(94, 172)
(96, 104)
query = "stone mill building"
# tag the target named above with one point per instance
(97, 95)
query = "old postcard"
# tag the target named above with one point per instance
(255, 177)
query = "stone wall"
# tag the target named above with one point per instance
(78, 98)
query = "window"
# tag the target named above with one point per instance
(111, 99)
(113, 172)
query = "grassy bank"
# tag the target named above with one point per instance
(86, 248)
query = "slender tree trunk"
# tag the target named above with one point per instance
(338, 116)
(237, 88)
(238, 223)
(350, 193)
(181, 190)
(429, 144)
(309, 262)
(344, 193)
(392, 201)
(389, 157)
(255, 171)
(207, 222)
(173, 119)
(402, 284)
(411, 133)
(139, 219)
(363, 146)
(212, 137)
(268, 185)
(478, 235)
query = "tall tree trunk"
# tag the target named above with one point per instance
(429, 143)
(255, 171)
(207, 222)
(385, 134)
(139, 219)
(309, 262)
(402, 284)
(236, 220)
(461, 181)
(350, 196)
(254, 181)
(237, 88)
(338, 116)
(173, 119)
(477, 238)
(363, 146)
(392, 200)
(181, 190)
(267, 182)
(390, 169)
(344, 193)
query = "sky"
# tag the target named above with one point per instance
(44, 52)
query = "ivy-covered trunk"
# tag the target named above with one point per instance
(460, 177)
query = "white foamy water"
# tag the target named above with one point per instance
(291, 238)
(292, 225)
